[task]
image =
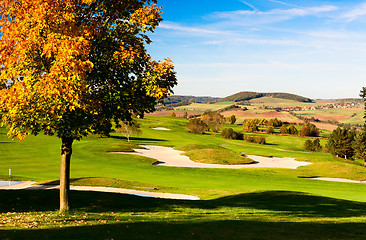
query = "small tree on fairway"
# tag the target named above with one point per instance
(69, 68)
(340, 142)
(196, 125)
(129, 128)
(213, 120)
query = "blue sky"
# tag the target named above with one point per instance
(312, 48)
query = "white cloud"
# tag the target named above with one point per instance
(251, 6)
(353, 14)
(200, 30)
(283, 3)
(279, 14)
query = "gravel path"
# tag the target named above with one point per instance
(170, 157)
(30, 186)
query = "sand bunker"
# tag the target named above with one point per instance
(161, 129)
(170, 157)
(337, 180)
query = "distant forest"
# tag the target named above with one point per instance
(244, 96)
(187, 99)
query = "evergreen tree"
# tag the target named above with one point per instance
(340, 142)
(359, 145)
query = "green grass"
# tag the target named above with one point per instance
(258, 215)
(214, 155)
(236, 203)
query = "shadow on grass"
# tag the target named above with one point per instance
(291, 203)
(190, 226)
(216, 229)
(139, 139)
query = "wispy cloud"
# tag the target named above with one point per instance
(354, 13)
(283, 3)
(285, 13)
(195, 30)
(249, 5)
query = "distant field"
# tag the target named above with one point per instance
(277, 102)
(200, 107)
(344, 115)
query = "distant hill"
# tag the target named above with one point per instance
(244, 96)
(176, 99)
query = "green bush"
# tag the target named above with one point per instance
(270, 130)
(229, 133)
(255, 139)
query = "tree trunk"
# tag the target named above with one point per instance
(66, 150)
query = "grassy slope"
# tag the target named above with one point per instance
(272, 203)
(37, 158)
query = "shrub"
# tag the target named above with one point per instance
(259, 140)
(250, 125)
(255, 139)
(231, 134)
(213, 120)
(274, 122)
(309, 130)
(270, 130)
(248, 138)
(238, 135)
(313, 145)
(231, 119)
(227, 133)
(293, 130)
(283, 129)
(197, 126)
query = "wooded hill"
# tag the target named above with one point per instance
(174, 99)
(244, 96)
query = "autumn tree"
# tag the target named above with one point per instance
(274, 122)
(284, 129)
(185, 115)
(213, 120)
(250, 125)
(292, 130)
(231, 119)
(309, 130)
(69, 68)
(197, 126)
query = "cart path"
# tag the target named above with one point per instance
(30, 186)
(170, 157)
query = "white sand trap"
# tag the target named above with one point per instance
(161, 129)
(337, 180)
(167, 156)
(31, 186)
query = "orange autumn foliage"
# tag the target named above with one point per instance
(51, 53)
